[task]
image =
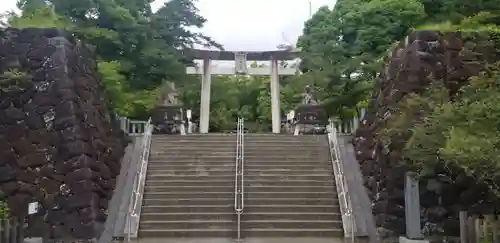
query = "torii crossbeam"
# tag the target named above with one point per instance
(241, 67)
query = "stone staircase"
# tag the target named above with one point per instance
(289, 187)
(189, 188)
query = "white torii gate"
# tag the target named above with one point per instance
(240, 58)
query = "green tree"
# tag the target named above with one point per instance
(464, 133)
(136, 47)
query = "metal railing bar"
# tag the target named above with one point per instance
(139, 181)
(238, 180)
(339, 176)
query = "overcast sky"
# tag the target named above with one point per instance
(247, 25)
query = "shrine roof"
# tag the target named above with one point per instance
(251, 55)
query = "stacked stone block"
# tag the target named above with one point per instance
(58, 143)
(423, 58)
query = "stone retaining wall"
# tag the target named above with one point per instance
(423, 58)
(58, 144)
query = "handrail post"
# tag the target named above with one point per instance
(239, 173)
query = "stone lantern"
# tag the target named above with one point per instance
(168, 114)
(309, 116)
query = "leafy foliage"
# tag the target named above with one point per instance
(4, 210)
(14, 80)
(137, 48)
(342, 48)
(466, 132)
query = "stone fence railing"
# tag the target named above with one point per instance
(132, 127)
(351, 126)
(12, 230)
(136, 127)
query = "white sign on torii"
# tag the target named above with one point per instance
(240, 58)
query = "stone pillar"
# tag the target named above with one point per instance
(412, 207)
(275, 96)
(205, 96)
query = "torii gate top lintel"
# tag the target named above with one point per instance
(240, 68)
(198, 54)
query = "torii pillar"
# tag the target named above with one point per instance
(240, 68)
(206, 83)
(275, 96)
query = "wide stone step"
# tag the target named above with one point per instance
(288, 183)
(292, 188)
(231, 170)
(252, 137)
(193, 153)
(293, 224)
(230, 188)
(296, 216)
(183, 149)
(187, 195)
(187, 201)
(285, 142)
(216, 182)
(187, 224)
(189, 177)
(291, 194)
(191, 166)
(257, 157)
(248, 201)
(186, 209)
(249, 209)
(285, 153)
(213, 182)
(195, 189)
(324, 177)
(154, 194)
(169, 146)
(196, 171)
(287, 145)
(295, 149)
(231, 233)
(228, 224)
(263, 166)
(202, 177)
(304, 166)
(158, 216)
(202, 216)
(289, 208)
(192, 143)
(175, 160)
(186, 233)
(194, 137)
(230, 161)
(294, 233)
(290, 156)
(284, 172)
(278, 161)
(288, 166)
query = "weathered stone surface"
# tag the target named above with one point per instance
(425, 57)
(58, 143)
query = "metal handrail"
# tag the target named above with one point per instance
(139, 179)
(339, 176)
(239, 190)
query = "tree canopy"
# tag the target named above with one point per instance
(341, 54)
(138, 49)
(345, 46)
